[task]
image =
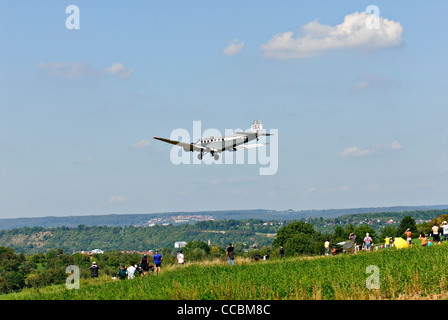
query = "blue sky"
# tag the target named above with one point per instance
(361, 114)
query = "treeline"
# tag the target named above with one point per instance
(85, 238)
(378, 220)
(114, 220)
(219, 232)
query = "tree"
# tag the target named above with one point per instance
(361, 232)
(298, 238)
(197, 244)
(216, 251)
(389, 231)
(339, 234)
(286, 232)
(407, 223)
(439, 220)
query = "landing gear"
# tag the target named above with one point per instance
(215, 155)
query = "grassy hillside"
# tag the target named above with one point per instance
(403, 274)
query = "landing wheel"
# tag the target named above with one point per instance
(216, 156)
(200, 156)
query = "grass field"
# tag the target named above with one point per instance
(413, 273)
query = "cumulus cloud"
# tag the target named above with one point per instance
(72, 70)
(142, 144)
(119, 70)
(395, 145)
(316, 39)
(357, 152)
(234, 47)
(117, 199)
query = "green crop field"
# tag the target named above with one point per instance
(407, 273)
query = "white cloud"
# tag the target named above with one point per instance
(373, 81)
(352, 33)
(233, 48)
(313, 191)
(144, 143)
(395, 145)
(356, 152)
(372, 187)
(119, 70)
(72, 70)
(310, 191)
(117, 199)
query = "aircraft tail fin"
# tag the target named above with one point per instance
(257, 127)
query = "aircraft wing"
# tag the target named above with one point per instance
(186, 146)
(249, 146)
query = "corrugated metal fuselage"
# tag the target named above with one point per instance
(224, 143)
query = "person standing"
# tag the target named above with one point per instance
(282, 252)
(94, 269)
(327, 247)
(367, 241)
(144, 264)
(435, 234)
(180, 257)
(408, 234)
(157, 261)
(387, 242)
(230, 253)
(444, 227)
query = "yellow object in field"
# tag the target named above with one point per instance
(400, 243)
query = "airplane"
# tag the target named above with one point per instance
(215, 145)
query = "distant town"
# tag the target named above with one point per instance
(166, 220)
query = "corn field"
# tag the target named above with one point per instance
(414, 272)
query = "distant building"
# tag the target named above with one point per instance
(97, 251)
(179, 244)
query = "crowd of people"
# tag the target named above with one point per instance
(426, 240)
(141, 269)
(144, 267)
